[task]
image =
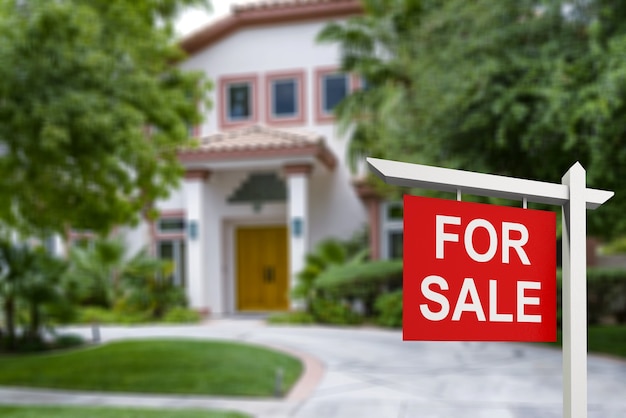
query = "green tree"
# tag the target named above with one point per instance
(92, 111)
(102, 274)
(16, 262)
(29, 280)
(42, 288)
(516, 87)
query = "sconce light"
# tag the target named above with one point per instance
(192, 230)
(296, 227)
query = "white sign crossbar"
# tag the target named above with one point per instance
(448, 180)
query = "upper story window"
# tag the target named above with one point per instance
(237, 101)
(332, 87)
(285, 97)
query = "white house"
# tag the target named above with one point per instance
(269, 179)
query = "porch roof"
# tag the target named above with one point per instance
(258, 142)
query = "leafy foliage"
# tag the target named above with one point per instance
(102, 275)
(92, 111)
(516, 87)
(360, 282)
(336, 312)
(358, 275)
(606, 295)
(327, 254)
(389, 309)
(339, 285)
(181, 315)
(29, 281)
(295, 317)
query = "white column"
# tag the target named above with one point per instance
(194, 195)
(575, 295)
(297, 219)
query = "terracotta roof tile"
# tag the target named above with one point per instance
(258, 137)
(258, 142)
(277, 4)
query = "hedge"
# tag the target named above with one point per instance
(606, 295)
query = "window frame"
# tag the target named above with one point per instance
(224, 95)
(179, 254)
(158, 235)
(299, 117)
(321, 114)
(178, 239)
(161, 231)
(389, 226)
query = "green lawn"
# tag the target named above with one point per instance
(82, 412)
(607, 339)
(156, 366)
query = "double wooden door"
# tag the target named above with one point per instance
(262, 273)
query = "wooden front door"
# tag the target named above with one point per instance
(261, 260)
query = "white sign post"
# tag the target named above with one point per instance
(574, 198)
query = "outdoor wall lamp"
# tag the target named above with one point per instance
(296, 227)
(192, 230)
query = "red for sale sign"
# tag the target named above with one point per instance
(478, 272)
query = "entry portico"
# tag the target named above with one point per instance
(247, 206)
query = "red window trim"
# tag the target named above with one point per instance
(320, 115)
(165, 236)
(224, 82)
(300, 117)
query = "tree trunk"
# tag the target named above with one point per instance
(34, 321)
(9, 316)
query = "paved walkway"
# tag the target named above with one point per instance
(372, 373)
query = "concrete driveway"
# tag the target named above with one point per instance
(367, 372)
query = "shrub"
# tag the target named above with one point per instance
(327, 254)
(606, 295)
(99, 315)
(296, 317)
(334, 312)
(29, 287)
(364, 281)
(617, 246)
(180, 315)
(68, 341)
(389, 309)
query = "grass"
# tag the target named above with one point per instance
(607, 339)
(81, 412)
(156, 366)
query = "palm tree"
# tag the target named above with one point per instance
(94, 272)
(16, 262)
(327, 254)
(378, 47)
(103, 274)
(41, 286)
(147, 285)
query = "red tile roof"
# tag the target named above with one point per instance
(257, 142)
(268, 12)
